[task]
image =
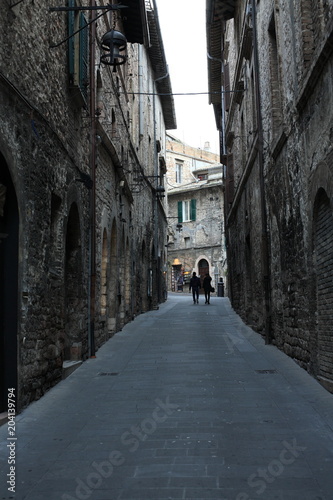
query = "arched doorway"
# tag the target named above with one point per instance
(121, 280)
(323, 263)
(142, 285)
(9, 231)
(113, 282)
(203, 269)
(73, 287)
(128, 277)
(152, 295)
(104, 269)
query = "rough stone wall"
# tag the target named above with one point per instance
(46, 138)
(36, 117)
(306, 133)
(44, 179)
(295, 47)
(244, 247)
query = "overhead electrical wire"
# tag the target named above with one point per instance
(180, 93)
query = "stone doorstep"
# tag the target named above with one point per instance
(69, 367)
(3, 418)
(327, 383)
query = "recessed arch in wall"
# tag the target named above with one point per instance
(104, 268)
(113, 276)
(9, 248)
(73, 285)
(127, 278)
(202, 262)
(323, 267)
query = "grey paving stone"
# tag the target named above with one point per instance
(189, 415)
(152, 494)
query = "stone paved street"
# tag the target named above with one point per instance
(185, 403)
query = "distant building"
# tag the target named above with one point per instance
(195, 214)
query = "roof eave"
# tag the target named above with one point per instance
(160, 67)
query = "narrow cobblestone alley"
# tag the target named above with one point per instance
(186, 402)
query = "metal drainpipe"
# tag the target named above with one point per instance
(155, 200)
(92, 106)
(156, 170)
(223, 152)
(141, 105)
(265, 253)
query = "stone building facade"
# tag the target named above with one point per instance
(195, 214)
(82, 155)
(275, 114)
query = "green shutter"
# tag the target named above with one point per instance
(83, 68)
(180, 212)
(193, 209)
(71, 49)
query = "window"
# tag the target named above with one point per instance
(311, 15)
(179, 168)
(78, 51)
(229, 182)
(276, 106)
(226, 95)
(187, 210)
(113, 124)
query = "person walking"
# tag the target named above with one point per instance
(207, 287)
(195, 285)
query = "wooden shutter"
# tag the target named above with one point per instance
(180, 212)
(83, 57)
(230, 179)
(226, 87)
(193, 209)
(71, 45)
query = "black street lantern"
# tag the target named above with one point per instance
(113, 42)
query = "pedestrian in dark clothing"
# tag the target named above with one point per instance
(207, 287)
(195, 284)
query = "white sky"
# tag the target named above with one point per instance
(183, 27)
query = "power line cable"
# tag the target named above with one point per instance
(180, 93)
